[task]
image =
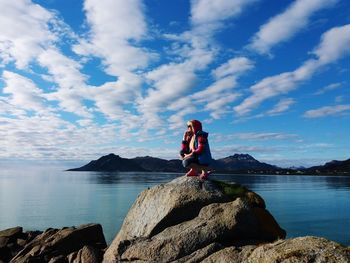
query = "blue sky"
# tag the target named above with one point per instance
(81, 79)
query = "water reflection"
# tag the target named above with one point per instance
(130, 177)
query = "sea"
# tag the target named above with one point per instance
(44, 196)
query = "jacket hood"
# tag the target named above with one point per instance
(197, 126)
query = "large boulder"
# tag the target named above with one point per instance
(69, 244)
(301, 249)
(188, 216)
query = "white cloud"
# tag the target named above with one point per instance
(29, 34)
(287, 24)
(339, 99)
(71, 82)
(6, 108)
(327, 111)
(334, 45)
(114, 23)
(111, 97)
(329, 87)
(267, 88)
(217, 97)
(47, 136)
(23, 93)
(24, 31)
(253, 136)
(207, 11)
(234, 66)
(196, 50)
(282, 106)
(220, 106)
(215, 90)
(170, 82)
(63, 70)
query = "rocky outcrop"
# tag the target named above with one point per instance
(85, 243)
(188, 218)
(301, 249)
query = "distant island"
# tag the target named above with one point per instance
(234, 164)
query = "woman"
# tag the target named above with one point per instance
(195, 150)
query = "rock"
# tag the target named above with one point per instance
(4, 241)
(301, 249)
(58, 259)
(200, 254)
(178, 219)
(8, 243)
(232, 254)
(88, 254)
(12, 233)
(225, 223)
(21, 242)
(55, 243)
(72, 256)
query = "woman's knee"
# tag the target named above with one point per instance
(188, 162)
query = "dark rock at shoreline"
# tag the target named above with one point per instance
(85, 243)
(13, 240)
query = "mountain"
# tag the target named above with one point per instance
(111, 162)
(333, 167)
(237, 163)
(243, 163)
(159, 165)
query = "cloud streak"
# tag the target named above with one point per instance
(334, 45)
(327, 111)
(286, 25)
(213, 12)
(254, 136)
(282, 106)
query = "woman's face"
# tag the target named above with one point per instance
(189, 128)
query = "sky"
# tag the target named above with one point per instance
(81, 79)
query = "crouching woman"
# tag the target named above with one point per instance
(195, 150)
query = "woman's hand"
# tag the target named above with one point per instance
(188, 155)
(187, 136)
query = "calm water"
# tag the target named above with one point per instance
(38, 198)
